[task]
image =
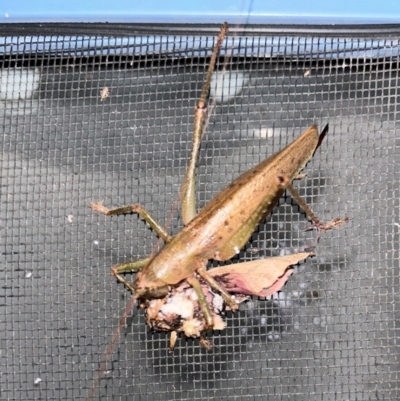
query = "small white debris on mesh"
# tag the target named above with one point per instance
(263, 319)
(37, 380)
(105, 93)
(96, 242)
(273, 336)
(28, 275)
(307, 73)
(70, 218)
(236, 249)
(263, 133)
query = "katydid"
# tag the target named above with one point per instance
(224, 225)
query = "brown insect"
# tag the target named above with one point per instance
(220, 229)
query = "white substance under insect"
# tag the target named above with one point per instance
(192, 294)
(236, 249)
(226, 85)
(218, 302)
(179, 305)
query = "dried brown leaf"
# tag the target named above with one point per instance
(261, 277)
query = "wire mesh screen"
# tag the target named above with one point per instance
(87, 118)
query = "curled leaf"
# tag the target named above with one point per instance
(261, 277)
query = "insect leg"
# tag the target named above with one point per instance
(315, 220)
(128, 267)
(301, 202)
(214, 285)
(189, 188)
(126, 283)
(205, 308)
(144, 214)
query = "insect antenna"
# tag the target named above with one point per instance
(110, 348)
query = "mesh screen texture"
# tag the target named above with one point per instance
(95, 118)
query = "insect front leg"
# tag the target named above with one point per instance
(143, 213)
(133, 265)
